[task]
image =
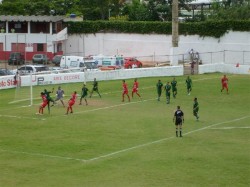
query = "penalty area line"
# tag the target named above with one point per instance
(161, 140)
(216, 124)
(21, 117)
(42, 155)
(229, 128)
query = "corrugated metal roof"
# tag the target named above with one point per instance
(31, 18)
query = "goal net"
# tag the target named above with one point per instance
(23, 92)
(29, 87)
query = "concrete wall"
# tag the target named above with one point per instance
(150, 47)
(229, 48)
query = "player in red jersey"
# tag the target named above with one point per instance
(135, 88)
(125, 90)
(43, 104)
(71, 102)
(224, 83)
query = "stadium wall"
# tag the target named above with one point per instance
(149, 47)
(61, 78)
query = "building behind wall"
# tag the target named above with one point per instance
(30, 35)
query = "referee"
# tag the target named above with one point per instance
(178, 120)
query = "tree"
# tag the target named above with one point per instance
(136, 11)
(230, 11)
(147, 10)
(163, 10)
(97, 9)
(151, 10)
(61, 7)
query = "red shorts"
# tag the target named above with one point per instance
(71, 103)
(224, 86)
(44, 104)
(125, 92)
(135, 90)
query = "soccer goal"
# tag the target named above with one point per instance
(23, 92)
(29, 87)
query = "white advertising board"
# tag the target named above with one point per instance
(60, 78)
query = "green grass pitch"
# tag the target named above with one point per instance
(128, 144)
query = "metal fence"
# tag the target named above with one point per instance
(226, 56)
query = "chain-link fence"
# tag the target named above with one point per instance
(226, 56)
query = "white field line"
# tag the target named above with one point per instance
(229, 128)
(21, 100)
(19, 107)
(42, 155)
(20, 117)
(17, 101)
(123, 150)
(164, 139)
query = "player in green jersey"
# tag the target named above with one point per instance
(95, 88)
(168, 91)
(84, 94)
(49, 99)
(189, 85)
(159, 86)
(174, 87)
(196, 108)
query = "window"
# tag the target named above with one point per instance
(59, 47)
(41, 68)
(40, 47)
(29, 68)
(18, 26)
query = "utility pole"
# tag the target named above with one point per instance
(175, 33)
(175, 24)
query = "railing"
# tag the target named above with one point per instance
(226, 56)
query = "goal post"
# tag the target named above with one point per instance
(23, 92)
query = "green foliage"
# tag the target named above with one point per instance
(141, 27)
(25, 7)
(240, 25)
(207, 28)
(118, 18)
(235, 12)
(150, 11)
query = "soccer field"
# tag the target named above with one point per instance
(128, 144)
